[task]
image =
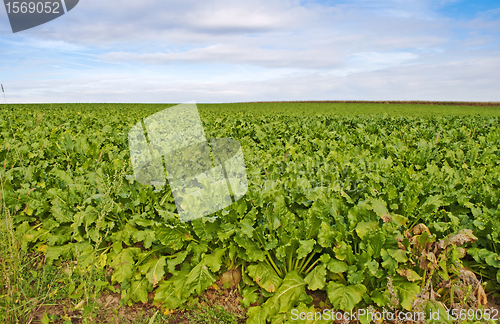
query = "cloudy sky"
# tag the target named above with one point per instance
(253, 50)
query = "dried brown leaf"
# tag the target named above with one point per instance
(464, 236)
(468, 277)
(428, 261)
(420, 228)
(386, 218)
(482, 300)
(409, 274)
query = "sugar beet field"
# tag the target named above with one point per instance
(354, 213)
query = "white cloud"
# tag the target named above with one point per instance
(465, 80)
(228, 54)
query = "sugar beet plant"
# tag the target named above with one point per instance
(342, 205)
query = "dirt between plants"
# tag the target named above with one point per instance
(109, 310)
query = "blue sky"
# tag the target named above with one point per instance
(254, 50)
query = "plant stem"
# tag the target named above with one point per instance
(312, 266)
(305, 263)
(296, 264)
(301, 264)
(275, 267)
(423, 280)
(290, 262)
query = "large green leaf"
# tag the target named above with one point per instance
(214, 259)
(179, 258)
(364, 228)
(388, 262)
(171, 236)
(337, 266)
(345, 297)
(407, 292)
(253, 251)
(379, 207)
(54, 252)
(147, 236)
(257, 315)
(154, 270)
(316, 279)
(124, 264)
(289, 294)
(305, 247)
(138, 290)
(199, 279)
(167, 293)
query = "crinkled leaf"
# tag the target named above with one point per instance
(356, 277)
(125, 234)
(124, 264)
(168, 294)
(388, 262)
(364, 228)
(147, 236)
(372, 267)
(343, 251)
(214, 259)
(398, 254)
(54, 252)
(172, 263)
(380, 299)
(250, 296)
(380, 208)
(375, 244)
(326, 236)
(253, 251)
(345, 297)
(138, 290)
(61, 213)
(172, 237)
(305, 247)
(265, 276)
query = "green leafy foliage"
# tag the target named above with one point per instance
(334, 203)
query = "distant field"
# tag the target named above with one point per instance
(281, 108)
(351, 109)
